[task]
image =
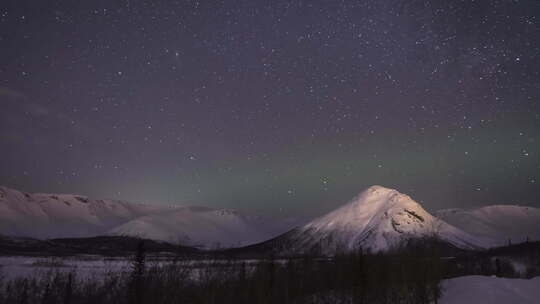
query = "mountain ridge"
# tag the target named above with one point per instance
(498, 224)
(376, 219)
(44, 215)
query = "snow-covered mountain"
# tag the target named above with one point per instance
(204, 227)
(378, 219)
(65, 215)
(498, 224)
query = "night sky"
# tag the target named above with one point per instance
(281, 107)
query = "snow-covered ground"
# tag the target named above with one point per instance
(461, 290)
(491, 290)
(12, 267)
(21, 266)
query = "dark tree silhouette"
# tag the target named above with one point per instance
(138, 264)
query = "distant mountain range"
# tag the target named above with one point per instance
(45, 216)
(498, 224)
(378, 219)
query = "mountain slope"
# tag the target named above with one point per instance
(378, 219)
(46, 216)
(204, 227)
(498, 224)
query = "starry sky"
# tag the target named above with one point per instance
(280, 107)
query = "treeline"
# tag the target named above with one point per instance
(352, 278)
(100, 245)
(499, 261)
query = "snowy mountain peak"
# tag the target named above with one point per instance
(378, 219)
(377, 190)
(376, 198)
(370, 206)
(374, 193)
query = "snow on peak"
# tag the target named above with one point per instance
(366, 207)
(375, 193)
(378, 219)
